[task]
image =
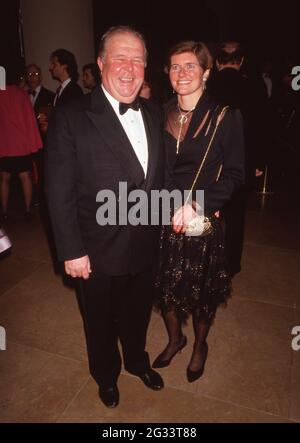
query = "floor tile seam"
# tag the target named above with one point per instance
(196, 394)
(230, 403)
(84, 384)
(21, 281)
(53, 354)
(265, 302)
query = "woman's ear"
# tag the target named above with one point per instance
(206, 75)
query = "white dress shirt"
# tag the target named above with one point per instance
(133, 124)
(63, 85)
(33, 98)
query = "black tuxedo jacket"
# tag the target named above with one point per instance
(45, 98)
(87, 151)
(70, 92)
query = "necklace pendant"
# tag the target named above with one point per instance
(183, 119)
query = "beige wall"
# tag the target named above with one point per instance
(53, 24)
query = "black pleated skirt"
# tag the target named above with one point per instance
(192, 273)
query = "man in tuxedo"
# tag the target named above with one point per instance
(63, 68)
(108, 137)
(41, 99)
(38, 94)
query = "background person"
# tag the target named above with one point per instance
(19, 139)
(90, 76)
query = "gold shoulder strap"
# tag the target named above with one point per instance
(219, 119)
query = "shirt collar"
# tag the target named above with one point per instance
(38, 89)
(112, 100)
(65, 83)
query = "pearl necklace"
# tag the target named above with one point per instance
(182, 121)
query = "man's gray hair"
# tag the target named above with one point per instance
(119, 30)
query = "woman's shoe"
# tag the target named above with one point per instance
(194, 375)
(160, 363)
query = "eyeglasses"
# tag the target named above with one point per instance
(31, 74)
(187, 67)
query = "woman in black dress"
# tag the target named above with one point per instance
(192, 277)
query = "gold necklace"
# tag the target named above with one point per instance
(182, 121)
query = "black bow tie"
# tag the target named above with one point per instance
(123, 107)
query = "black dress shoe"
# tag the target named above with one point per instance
(109, 396)
(194, 375)
(160, 363)
(152, 380)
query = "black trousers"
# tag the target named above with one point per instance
(116, 308)
(234, 214)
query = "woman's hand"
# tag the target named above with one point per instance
(182, 217)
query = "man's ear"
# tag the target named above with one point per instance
(100, 63)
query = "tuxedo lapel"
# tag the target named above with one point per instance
(153, 146)
(107, 123)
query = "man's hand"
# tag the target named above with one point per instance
(79, 267)
(43, 122)
(258, 173)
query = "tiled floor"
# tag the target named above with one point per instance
(252, 373)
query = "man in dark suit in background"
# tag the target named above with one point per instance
(230, 87)
(90, 76)
(38, 94)
(105, 138)
(41, 100)
(63, 68)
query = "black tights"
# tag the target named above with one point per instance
(201, 330)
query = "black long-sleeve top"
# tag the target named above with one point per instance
(227, 150)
